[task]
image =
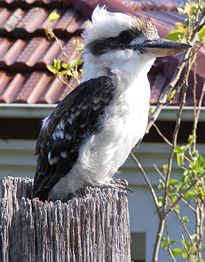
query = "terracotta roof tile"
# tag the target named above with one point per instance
(12, 89)
(4, 81)
(25, 51)
(34, 54)
(151, 5)
(158, 83)
(14, 19)
(54, 92)
(38, 93)
(52, 52)
(11, 55)
(36, 87)
(26, 89)
(66, 19)
(4, 46)
(161, 5)
(4, 15)
(33, 51)
(33, 19)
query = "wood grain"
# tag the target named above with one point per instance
(91, 227)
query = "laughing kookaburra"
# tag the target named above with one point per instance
(91, 132)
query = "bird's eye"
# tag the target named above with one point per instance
(127, 35)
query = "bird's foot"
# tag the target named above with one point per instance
(115, 183)
(121, 183)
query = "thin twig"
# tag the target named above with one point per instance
(160, 133)
(148, 182)
(168, 243)
(182, 194)
(183, 225)
(59, 43)
(167, 178)
(200, 229)
(176, 76)
(159, 172)
(197, 114)
(195, 105)
(185, 249)
(175, 134)
(189, 205)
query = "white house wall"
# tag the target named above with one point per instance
(17, 159)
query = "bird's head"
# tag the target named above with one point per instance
(119, 41)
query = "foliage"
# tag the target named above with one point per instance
(188, 186)
(192, 164)
(65, 67)
(192, 11)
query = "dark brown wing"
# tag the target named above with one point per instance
(73, 121)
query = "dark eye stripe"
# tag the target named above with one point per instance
(127, 35)
(122, 41)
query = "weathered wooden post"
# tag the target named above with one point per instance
(93, 227)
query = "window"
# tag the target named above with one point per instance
(138, 247)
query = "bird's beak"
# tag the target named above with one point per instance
(162, 47)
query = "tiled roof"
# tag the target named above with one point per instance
(33, 20)
(25, 51)
(160, 5)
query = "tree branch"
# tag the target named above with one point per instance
(182, 194)
(148, 183)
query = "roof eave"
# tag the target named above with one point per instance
(39, 111)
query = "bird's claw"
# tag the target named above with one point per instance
(121, 183)
(118, 183)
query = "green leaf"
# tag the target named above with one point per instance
(193, 236)
(173, 198)
(177, 251)
(75, 73)
(191, 139)
(172, 242)
(75, 63)
(151, 110)
(180, 158)
(57, 64)
(187, 21)
(160, 201)
(53, 16)
(181, 149)
(177, 149)
(201, 161)
(180, 153)
(165, 168)
(173, 181)
(171, 95)
(177, 209)
(201, 35)
(63, 72)
(69, 72)
(184, 255)
(52, 69)
(175, 35)
(185, 219)
(76, 43)
(164, 245)
(180, 10)
(65, 65)
(188, 194)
